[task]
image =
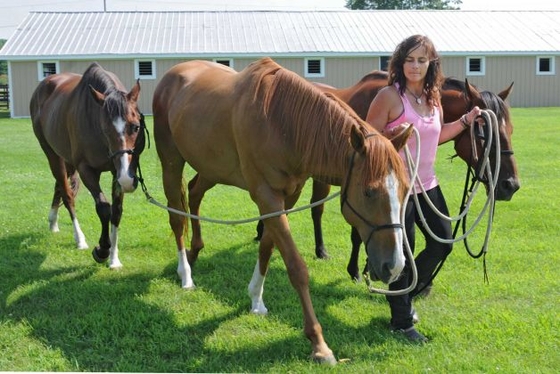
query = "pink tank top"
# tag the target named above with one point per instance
(429, 129)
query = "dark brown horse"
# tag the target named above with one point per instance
(266, 130)
(458, 97)
(87, 125)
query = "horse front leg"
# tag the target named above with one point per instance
(320, 191)
(278, 230)
(352, 267)
(256, 286)
(299, 278)
(172, 175)
(115, 218)
(90, 177)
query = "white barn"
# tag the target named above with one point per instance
(489, 48)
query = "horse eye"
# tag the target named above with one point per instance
(133, 129)
(370, 192)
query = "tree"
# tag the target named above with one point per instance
(403, 4)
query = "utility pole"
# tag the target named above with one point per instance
(104, 5)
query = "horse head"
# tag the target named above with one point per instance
(372, 199)
(508, 182)
(123, 126)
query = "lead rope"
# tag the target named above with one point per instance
(224, 222)
(469, 194)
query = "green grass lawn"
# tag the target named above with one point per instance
(61, 311)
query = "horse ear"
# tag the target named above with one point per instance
(401, 138)
(471, 92)
(134, 92)
(97, 96)
(357, 140)
(505, 93)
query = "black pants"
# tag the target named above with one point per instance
(428, 260)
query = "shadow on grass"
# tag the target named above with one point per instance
(95, 321)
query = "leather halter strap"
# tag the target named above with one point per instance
(344, 200)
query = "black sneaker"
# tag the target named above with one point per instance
(412, 335)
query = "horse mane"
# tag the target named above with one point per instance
(315, 124)
(105, 82)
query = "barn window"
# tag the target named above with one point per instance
(47, 68)
(314, 67)
(384, 63)
(144, 69)
(545, 66)
(224, 61)
(476, 66)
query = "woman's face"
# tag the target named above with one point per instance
(416, 65)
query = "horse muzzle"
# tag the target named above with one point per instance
(506, 188)
(386, 268)
(128, 182)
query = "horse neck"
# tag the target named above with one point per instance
(316, 130)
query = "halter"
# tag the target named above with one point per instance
(344, 200)
(482, 132)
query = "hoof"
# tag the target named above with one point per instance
(99, 259)
(116, 266)
(354, 273)
(325, 360)
(259, 310)
(321, 253)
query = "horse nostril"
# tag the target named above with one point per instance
(509, 185)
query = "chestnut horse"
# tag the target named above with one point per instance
(267, 130)
(87, 125)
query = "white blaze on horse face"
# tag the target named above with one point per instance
(392, 185)
(124, 179)
(119, 124)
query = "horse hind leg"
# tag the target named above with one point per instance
(173, 186)
(55, 205)
(197, 188)
(65, 190)
(73, 180)
(320, 191)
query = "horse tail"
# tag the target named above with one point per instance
(74, 180)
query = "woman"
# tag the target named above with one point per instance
(412, 96)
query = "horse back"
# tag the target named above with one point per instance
(192, 109)
(48, 105)
(361, 94)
